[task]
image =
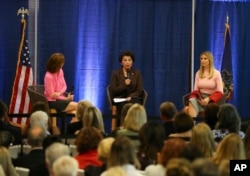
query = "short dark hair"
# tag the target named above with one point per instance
(127, 53)
(183, 122)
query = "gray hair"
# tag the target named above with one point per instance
(65, 166)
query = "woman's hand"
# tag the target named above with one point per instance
(55, 95)
(128, 98)
(204, 102)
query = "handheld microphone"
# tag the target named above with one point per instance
(71, 91)
(128, 73)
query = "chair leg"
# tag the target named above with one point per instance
(114, 121)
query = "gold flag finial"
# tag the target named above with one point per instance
(23, 11)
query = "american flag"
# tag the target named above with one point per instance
(20, 102)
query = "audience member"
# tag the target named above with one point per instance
(183, 124)
(6, 125)
(75, 127)
(87, 142)
(51, 139)
(224, 168)
(135, 118)
(208, 86)
(151, 137)
(5, 162)
(65, 166)
(205, 167)
(228, 122)
(172, 148)
(103, 151)
(210, 115)
(123, 154)
(230, 148)
(179, 167)
(247, 142)
(42, 106)
(191, 153)
(6, 139)
(53, 152)
(115, 171)
(126, 82)
(2, 171)
(202, 138)
(34, 160)
(167, 113)
(93, 118)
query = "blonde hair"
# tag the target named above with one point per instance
(231, 148)
(81, 108)
(203, 139)
(93, 118)
(104, 147)
(179, 167)
(210, 57)
(6, 163)
(116, 170)
(135, 118)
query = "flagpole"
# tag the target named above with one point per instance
(192, 46)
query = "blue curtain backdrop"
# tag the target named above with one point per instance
(91, 34)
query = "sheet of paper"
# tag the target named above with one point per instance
(118, 100)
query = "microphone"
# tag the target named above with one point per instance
(128, 73)
(71, 92)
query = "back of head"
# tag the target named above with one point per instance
(183, 122)
(104, 148)
(39, 118)
(40, 106)
(124, 112)
(6, 139)
(179, 167)
(65, 166)
(2, 171)
(228, 118)
(210, 114)
(151, 136)
(167, 110)
(116, 171)
(122, 152)
(203, 139)
(93, 118)
(36, 136)
(231, 148)
(81, 107)
(205, 167)
(172, 148)
(51, 139)
(54, 151)
(88, 139)
(135, 118)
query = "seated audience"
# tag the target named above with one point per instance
(172, 148)
(6, 139)
(167, 113)
(123, 154)
(51, 139)
(36, 157)
(87, 142)
(151, 137)
(210, 115)
(65, 166)
(202, 139)
(74, 127)
(224, 168)
(6, 163)
(93, 118)
(103, 151)
(228, 122)
(179, 167)
(247, 142)
(53, 152)
(205, 167)
(6, 125)
(183, 124)
(230, 148)
(135, 118)
(42, 106)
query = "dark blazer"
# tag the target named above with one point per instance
(118, 87)
(15, 131)
(35, 161)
